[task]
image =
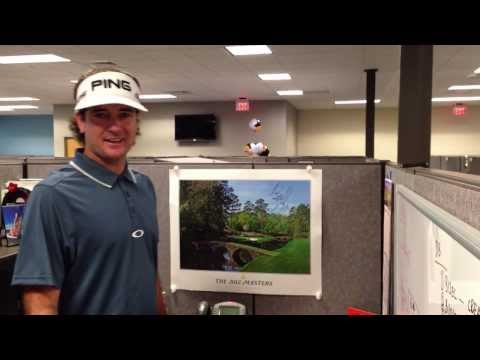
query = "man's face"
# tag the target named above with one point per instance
(110, 131)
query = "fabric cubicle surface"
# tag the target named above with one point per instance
(10, 170)
(456, 193)
(40, 167)
(351, 244)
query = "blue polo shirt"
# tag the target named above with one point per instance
(93, 235)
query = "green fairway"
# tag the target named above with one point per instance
(293, 258)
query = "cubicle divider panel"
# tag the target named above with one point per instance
(460, 201)
(351, 244)
(40, 168)
(10, 170)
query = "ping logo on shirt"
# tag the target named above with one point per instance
(107, 83)
(138, 233)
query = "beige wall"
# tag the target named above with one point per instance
(453, 135)
(291, 130)
(157, 128)
(342, 132)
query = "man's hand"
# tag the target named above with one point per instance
(40, 300)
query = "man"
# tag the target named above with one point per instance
(89, 236)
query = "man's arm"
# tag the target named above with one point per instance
(40, 300)
(162, 310)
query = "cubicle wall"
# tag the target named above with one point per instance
(351, 244)
(351, 240)
(456, 193)
(468, 164)
(438, 237)
(10, 170)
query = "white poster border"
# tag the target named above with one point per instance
(243, 282)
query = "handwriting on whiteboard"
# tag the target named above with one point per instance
(450, 299)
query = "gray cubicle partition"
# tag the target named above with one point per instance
(471, 165)
(10, 170)
(451, 163)
(351, 244)
(351, 241)
(456, 193)
(329, 159)
(39, 168)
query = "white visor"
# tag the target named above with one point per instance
(108, 87)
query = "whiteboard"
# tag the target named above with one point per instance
(436, 259)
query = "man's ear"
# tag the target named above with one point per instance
(80, 121)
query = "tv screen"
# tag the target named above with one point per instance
(195, 127)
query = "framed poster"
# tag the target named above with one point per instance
(253, 231)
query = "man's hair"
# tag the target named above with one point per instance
(73, 124)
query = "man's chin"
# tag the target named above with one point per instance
(113, 155)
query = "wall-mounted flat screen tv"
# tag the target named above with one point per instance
(195, 127)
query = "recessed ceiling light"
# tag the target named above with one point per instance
(477, 71)
(29, 59)
(19, 99)
(290, 92)
(282, 76)
(157, 96)
(464, 87)
(240, 50)
(456, 98)
(351, 102)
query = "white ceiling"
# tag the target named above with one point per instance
(209, 73)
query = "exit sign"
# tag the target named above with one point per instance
(242, 104)
(459, 110)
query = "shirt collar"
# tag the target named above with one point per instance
(97, 172)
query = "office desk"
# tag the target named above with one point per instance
(6, 252)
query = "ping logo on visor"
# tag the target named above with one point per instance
(108, 87)
(107, 83)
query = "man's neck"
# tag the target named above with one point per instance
(116, 167)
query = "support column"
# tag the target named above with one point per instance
(370, 115)
(415, 105)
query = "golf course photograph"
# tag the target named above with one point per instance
(256, 226)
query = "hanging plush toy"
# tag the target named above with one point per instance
(255, 125)
(256, 149)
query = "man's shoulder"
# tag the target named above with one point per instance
(56, 177)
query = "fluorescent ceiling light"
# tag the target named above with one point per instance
(477, 71)
(351, 102)
(74, 81)
(456, 98)
(464, 87)
(3, 108)
(29, 59)
(19, 99)
(19, 107)
(240, 50)
(290, 92)
(283, 76)
(157, 96)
